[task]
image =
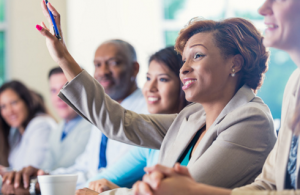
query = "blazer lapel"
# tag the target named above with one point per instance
(186, 133)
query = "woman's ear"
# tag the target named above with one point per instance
(238, 62)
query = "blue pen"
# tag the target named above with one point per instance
(56, 32)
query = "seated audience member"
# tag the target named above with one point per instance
(25, 127)
(67, 141)
(163, 94)
(116, 68)
(280, 173)
(228, 130)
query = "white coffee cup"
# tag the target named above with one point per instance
(58, 184)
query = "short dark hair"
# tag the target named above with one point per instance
(233, 36)
(55, 70)
(173, 60)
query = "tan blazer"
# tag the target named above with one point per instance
(231, 153)
(274, 169)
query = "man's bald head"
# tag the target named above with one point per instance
(125, 46)
(116, 68)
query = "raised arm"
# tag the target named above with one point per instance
(85, 95)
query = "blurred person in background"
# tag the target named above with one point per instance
(25, 127)
(69, 139)
(163, 94)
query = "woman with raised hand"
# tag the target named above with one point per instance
(223, 137)
(280, 173)
(25, 126)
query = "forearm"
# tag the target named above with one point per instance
(70, 67)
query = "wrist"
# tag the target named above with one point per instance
(70, 67)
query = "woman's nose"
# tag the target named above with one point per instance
(185, 69)
(266, 8)
(153, 85)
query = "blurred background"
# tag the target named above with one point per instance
(148, 25)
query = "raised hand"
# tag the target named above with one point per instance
(57, 48)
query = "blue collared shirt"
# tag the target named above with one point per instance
(69, 126)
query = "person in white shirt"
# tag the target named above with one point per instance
(25, 126)
(116, 69)
(67, 141)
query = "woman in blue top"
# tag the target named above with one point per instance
(164, 95)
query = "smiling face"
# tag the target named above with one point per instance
(13, 109)
(56, 82)
(282, 19)
(113, 70)
(161, 89)
(205, 72)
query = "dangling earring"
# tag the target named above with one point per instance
(233, 72)
(132, 78)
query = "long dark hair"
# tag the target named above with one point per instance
(34, 106)
(172, 59)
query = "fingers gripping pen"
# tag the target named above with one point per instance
(56, 32)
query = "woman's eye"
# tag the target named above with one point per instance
(148, 78)
(14, 102)
(198, 55)
(163, 80)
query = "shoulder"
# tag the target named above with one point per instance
(253, 119)
(42, 121)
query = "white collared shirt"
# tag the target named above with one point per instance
(86, 164)
(30, 148)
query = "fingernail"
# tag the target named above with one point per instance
(25, 185)
(7, 182)
(16, 185)
(38, 27)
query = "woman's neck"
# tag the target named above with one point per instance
(215, 107)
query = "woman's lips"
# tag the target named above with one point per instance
(187, 83)
(152, 99)
(271, 27)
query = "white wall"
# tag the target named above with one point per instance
(92, 22)
(28, 59)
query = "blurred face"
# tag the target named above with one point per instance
(13, 109)
(113, 70)
(282, 19)
(205, 73)
(56, 83)
(161, 89)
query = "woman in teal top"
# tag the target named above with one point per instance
(160, 90)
